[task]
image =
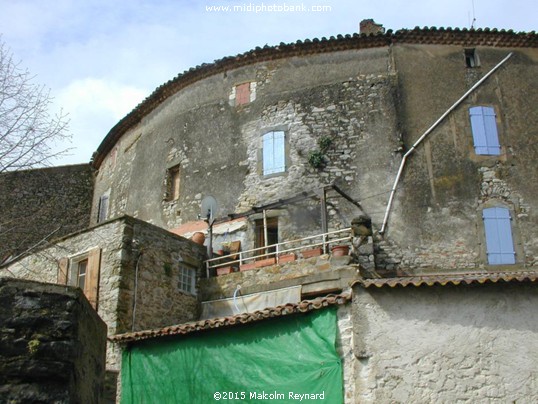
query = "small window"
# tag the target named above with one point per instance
(187, 280)
(173, 182)
(274, 152)
(83, 270)
(484, 128)
(499, 241)
(103, 209)
(82, 267)
(471, 58)
(243, 93)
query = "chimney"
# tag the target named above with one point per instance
(370, 27)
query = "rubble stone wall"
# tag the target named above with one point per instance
(52, 344)
(41, 204)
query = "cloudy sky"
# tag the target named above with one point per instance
(100, 58)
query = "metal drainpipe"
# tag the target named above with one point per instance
(430, 129)
(135, 291)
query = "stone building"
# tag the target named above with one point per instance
(414, 148)
(41, 205)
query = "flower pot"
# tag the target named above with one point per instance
(340, 250)
(224, 270)
(198, 238)
(314, 252)
(283, 259)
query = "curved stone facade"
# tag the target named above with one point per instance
(358, 103)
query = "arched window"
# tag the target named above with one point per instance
(484, 128)
(499, 240)
(274, 152)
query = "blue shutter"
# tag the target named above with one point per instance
(499, 241)
(268, 163)
(274, 156)
(484, 128)
(279, 152)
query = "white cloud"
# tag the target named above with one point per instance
(94, 107)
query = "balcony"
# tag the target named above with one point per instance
(280, 253)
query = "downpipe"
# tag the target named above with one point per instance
(428, 131)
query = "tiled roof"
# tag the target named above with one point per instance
(244, 318)
(444, 36)
(452, 279)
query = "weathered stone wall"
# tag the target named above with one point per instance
(347, 97)
(344, 347)
(372, 104)
(159, 303)
(42, 204)
(446, 344)
(436, 223)
(52, 345)
(153, 275)
(316, 275)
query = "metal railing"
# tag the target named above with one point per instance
(276, 250)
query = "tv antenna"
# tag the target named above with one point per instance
(209, 209)
(472, 22)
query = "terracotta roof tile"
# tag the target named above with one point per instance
(449, 36)
(450, 279)
(243, 318)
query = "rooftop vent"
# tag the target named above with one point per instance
(370, 27)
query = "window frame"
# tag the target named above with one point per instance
(173, 183)
(498, 242)
(102, 208)
(278, 163)
(187, 280)
(472, 61)
(69, 273)
(484, 130)
(272, 235)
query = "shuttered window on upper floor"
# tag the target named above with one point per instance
(484, 128)
(499, 240)
(274, 152)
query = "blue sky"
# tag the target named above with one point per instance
(100, 58)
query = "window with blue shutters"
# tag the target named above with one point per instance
(499, 241)
(484, 128)
(274, 152)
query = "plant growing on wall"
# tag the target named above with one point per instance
(316, 157)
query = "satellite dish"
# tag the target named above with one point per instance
(209, 208)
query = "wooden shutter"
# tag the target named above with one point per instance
(268, 164)
(274, 152)
(63, 269)
(242, 94)
(279, 152)
(499, 241)
(484, 128)
(103, 209)
(91, 286)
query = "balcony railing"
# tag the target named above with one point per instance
(239, 258)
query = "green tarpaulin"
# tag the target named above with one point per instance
(281, 360)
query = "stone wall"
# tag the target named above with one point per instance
(344, 347)
(346, 97)
(160, 257)
(446, 343)
(52, 345)
(436, 222)
(371, 105)
(316, 275)
(159, 302)
(41, 204)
